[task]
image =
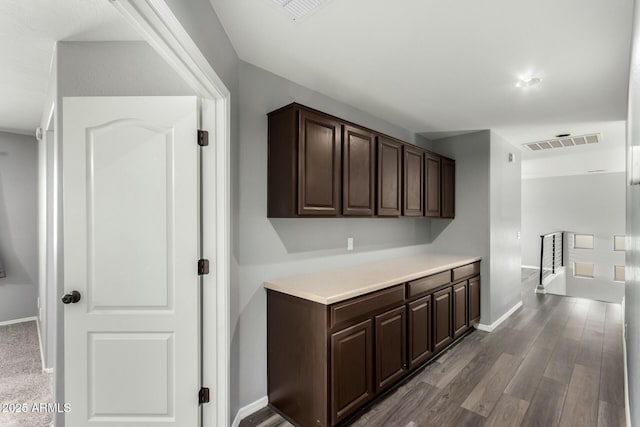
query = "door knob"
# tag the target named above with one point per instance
(71, 298)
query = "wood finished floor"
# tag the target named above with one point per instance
(557, 361)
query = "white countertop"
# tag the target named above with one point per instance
(329, 287)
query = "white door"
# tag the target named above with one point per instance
(131, 246)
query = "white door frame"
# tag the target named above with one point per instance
(155, 21)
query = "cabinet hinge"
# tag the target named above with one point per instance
(203, 138)
(203, 267)
(203, 395)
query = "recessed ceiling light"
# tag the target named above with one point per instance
(528, 82)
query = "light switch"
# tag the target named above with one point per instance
(349, 243)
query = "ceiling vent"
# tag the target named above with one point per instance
(299, 9)
(550, 144)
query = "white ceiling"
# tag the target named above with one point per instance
(28, 31)
(435, 66)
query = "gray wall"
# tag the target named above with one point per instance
(18, 226)
(103, 69)
(590, 204)
(115, 69)
(487, 215)
(632, 289)
(583, 203)
(504, 210)
(468, 233)
(282, 247)
(264, 248)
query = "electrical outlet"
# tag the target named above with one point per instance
(349, 243)
(518, 235)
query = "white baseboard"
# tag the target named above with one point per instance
(40, 344)
(494, 325)
(530, 266)
(627, 410)
(29, 319)
(245, 411)
(14, 321)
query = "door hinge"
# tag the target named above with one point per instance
(203, 267)
(203, 395)
(203, 138)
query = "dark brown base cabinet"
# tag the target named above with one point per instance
(442, 319)
(323, 166)
(326, 362)
(420, 325)
(460, 309)
(351, 369)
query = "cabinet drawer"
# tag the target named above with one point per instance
(465, 271)
(424, 285)
(369, 304)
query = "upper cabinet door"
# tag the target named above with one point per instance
(432, 207)
(448, 188)
(358, 178)
(413, 179)
(389, 177)
(319, 161)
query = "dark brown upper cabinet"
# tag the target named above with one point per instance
(413, 168)
(319, 165)
(305, 163)
(389, 177)
(448, 188)
(322, 166)
(359, 171)
(432, 186)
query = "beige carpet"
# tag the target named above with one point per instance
(21, 378)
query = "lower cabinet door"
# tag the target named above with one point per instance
(351, 369)
(442, 318)
(391, 356)
(474, 300)
(460, 323)
(420, 343)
